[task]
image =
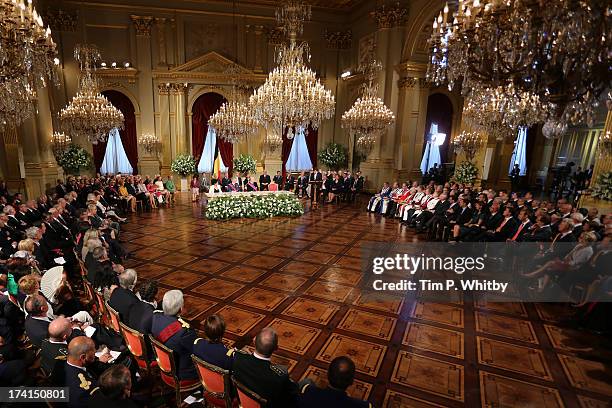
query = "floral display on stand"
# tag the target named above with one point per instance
(245, 163)
(183, 165)
(602, 188)
(73, 159)
(254, 206)
(465, 172)
(334, 156)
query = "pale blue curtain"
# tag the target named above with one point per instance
(519, 155)
(299, 159)
(205, 165)
(432, 151)
(115, 160)
(206, 160)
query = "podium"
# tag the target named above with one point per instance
(315, 189)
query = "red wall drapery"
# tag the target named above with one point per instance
(127, 134)
(227, 153)
(286, 149)
(203, 108)
(439, 111)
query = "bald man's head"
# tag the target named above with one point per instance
(266, 342)
(60, 329)
(81, 351)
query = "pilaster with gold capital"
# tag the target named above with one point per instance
(142, 25)
(389, 16)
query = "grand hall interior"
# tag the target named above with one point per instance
(318, 203)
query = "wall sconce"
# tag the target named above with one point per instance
(149, 142)
(605, 144)
(59, 143)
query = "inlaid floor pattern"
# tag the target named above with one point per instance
(300, 276)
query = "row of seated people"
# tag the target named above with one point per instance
(570, 246)
(327, 186)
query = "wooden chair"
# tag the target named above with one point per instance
(248, 398)
(114, 318)
(167, 367)
(103, 314)
(137, 345)
(217, 384)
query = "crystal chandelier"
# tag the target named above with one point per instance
(365, 143)
(368, 117)
(27, 60)
(558, 50)
(604, 144)
(273, 141)
(292, 96)
(553, 129)
(149, 142)
(468, 142)
(90, 114)
(59, 143)
(501, 111)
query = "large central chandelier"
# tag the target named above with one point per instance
(557, 50)
(27, 60)
(292, 96)
(468, 142)
(368, 118)
(89, 114)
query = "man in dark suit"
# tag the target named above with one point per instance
(522, 230)
(438, 212)
(141, 316)
(290, 184)
(315, 179)
(256, 372)
(60, 188)
(264, 181)
(494, 219)
(506, 229)
(340, 375)
(278, 179)
(13, 221)
(175, 333)
(122, 298)
(37, 322)
(225, 181)
(33, 215)
(540, 232)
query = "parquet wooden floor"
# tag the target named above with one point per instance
(299, 276)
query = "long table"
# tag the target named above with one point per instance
(212, 196)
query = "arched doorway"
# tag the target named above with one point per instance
(203, 108)
(439, 112)
(127, 134)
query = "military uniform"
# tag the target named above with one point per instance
(79, 383)
(315, 397)
(51, 353)
(214, 353)
(176, 334)
(265, 379)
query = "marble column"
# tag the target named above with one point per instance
(162, 119)
(36, 159)
(147, 164)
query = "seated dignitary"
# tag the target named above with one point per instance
(56, 346)
(113, 390)
(340, 375)
(168, 328)
(122, 298)
(141, 315)
(212, 350)
(256, 372)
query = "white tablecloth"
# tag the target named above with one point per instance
(212, 196)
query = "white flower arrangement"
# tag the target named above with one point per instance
(73, 159)
(334, 156)
(602, 188)
(254, 206)
(245, 163)
(183, 165)
(466, 172)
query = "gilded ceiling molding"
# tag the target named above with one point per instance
(274, 35)
(142, 24)
(389, 16)
(411, 69)
(129, 74)
(338, 40)
(410, 82)
(61, 20)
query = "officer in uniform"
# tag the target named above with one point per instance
(212, 350)
(175, 333)
(81, 353)
(340, 376)
(257, 373)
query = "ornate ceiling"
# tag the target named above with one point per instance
(329, 4)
